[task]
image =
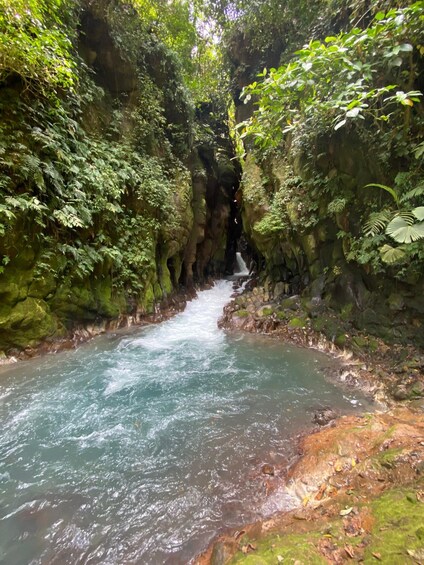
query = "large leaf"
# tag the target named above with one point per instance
(403, 232)
(419, 213)
(391, 254)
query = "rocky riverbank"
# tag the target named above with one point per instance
(360, 491)
(84, 332)
(389, 372)
(359, 481)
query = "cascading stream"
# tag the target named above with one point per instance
(140, 447)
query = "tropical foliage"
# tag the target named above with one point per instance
(363, 74)
(356, 89)
(93, 194)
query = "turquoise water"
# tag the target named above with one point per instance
(141, 447)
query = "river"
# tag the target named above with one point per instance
(139, 447)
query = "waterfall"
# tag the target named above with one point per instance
(242, 269)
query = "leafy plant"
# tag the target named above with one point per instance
(332, 84)
(404, 225)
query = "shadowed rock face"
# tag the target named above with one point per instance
(112, 71)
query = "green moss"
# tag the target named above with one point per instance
(43, 285)
(265, 311)
(364, 343)
(290, 548)
(388, 458)
(340, 340)
(73, 302)
(346, 312)
(165, 278)
(282, 315)
(399, 517)
(27, 324)
(108, 303)
(14, 284)
(297, 323)
(148, 300)
(242, 313)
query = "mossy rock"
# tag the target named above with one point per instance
(147, 303)
(109, 304)
(297, 323)
(242, 313)
(291, 303)
(346, 312)
(364, 343)
(282, 315)
(264, 311)
(286, 548)
(397, 532)
(42, 286)
(340, 340)
(329, 326)
(28, 323)
(74, 303)
(388, 458)
(14, 285)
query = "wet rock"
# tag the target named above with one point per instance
(416, 389)
(291, 303)
(400, 393)
(409, 392)
(268, 469)
(221, 553)
(324, 416)
(280, 289)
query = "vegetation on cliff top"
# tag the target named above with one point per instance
(360, 87)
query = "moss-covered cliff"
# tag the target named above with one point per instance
(340, 114)
(110, 197)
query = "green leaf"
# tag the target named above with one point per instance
(403, 232)
(339, 125)
(419, 213)
(376, 223)
(419, 150)
(388, 189)
(391, 254)
(353, 113)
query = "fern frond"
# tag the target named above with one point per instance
(413, 193)
(377, 222)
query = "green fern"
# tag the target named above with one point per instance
(413, 193)
(377, 222)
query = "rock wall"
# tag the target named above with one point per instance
(144, 239)
(303, 213)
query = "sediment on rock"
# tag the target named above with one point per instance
(356, 484)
